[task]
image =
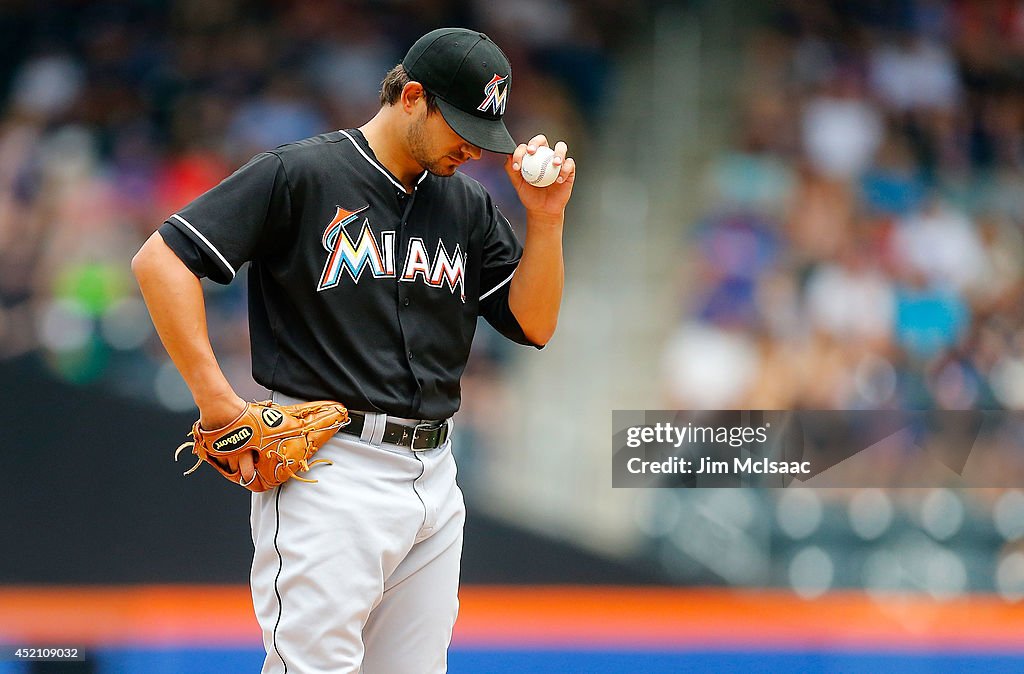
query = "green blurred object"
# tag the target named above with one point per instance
(80, 366)
(95, 286)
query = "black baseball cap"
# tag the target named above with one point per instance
(470, 78)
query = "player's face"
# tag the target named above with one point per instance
(437, 148)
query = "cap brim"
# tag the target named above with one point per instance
(486, 134)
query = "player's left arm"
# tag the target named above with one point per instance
(535, 292)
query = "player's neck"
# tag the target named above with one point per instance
(386, 143)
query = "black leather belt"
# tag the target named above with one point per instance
(426, 435)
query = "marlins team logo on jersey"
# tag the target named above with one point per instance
(352, 258)
(495, 95)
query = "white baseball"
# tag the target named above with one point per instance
(539, 168)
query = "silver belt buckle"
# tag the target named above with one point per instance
(424, 427)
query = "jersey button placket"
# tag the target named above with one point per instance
(406, 202)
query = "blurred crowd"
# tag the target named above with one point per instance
(113, 115)
(864, 248)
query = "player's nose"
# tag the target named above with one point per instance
(472, 151)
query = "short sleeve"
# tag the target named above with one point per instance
(501, 255)
(229, 225)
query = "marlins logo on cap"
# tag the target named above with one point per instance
(495, 98)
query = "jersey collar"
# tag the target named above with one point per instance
(359, 141)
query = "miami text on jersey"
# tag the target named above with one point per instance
(366, 251)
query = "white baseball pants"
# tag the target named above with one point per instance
(360, 571)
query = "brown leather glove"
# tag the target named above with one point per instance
(282, 438)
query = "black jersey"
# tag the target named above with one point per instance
(358, 291)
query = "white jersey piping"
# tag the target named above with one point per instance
(376, 165)
(207, 242)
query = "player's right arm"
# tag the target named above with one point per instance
(174, 297)
(211, 237)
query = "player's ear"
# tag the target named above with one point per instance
(413, 94)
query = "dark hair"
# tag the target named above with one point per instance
(394, 82)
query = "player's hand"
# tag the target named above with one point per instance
(219, 414)
(543, 201)
(245, 463)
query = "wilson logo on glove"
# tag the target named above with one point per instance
(281, 438)
(272, 417)
(233, 441)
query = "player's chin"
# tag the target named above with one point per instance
(443, 169)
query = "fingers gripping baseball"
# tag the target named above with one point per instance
(566, 164)
(530, 147)
(528, 169)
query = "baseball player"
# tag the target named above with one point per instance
(371, 257)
